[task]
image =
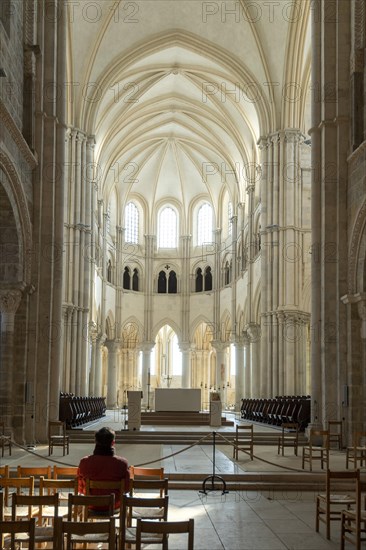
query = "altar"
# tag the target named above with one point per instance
(178, 399)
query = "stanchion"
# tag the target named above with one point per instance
(214, 476)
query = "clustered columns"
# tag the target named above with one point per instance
(113, 347)
(221, 368)
(353, 390)
(9, 303)
(284, 238)
(185, 348)
(146, 349)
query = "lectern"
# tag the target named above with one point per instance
(134, 410)
(215, 409)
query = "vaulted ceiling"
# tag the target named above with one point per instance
(178, 92)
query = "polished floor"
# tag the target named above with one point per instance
(239, 520)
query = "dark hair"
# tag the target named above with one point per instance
(105, 437)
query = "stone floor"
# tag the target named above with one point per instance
(239, 520)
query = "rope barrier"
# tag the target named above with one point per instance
(210, 434)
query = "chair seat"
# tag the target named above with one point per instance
(21, 512)
(151, 538)
(42, 534)
(148, 513)
(341, 499)
(91, 537)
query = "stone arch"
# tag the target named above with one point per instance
(11, 184)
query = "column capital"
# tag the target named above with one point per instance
(218, 345)
(254, 331)
(9, 303)
(146, 347)
(9, 300)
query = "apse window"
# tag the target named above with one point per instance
(131, 223)
(167, 230)
(204, 224)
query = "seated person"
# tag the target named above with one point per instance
(103, 465)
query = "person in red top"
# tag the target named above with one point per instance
(103, 465)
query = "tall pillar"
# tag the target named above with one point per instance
(113, 348)
(254, 333)
(99, 365)
(240, 373)
(9, 303)
(221, 368)
(146, 348)
(247, 367)
(186, 365)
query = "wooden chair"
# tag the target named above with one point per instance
(36, 472)
(337, 497)
(4, 471)
(243, 440)
(62, 487)
(317, 449)
(32, 506)
(5, 440)
(289, 437)
(144, 488)
(335, 428)
(151, 473)
(127, 532)
(89, 507)
(165, 528)
(65, 471)
(22, 485)
(57, 437)
(353, 522)
(357, 453)
(10, 529)
(85, 533)
(117, 488)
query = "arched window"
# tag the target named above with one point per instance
(229, 216)
(172, 283)
(199, 280)
(109, 271)
(208, 278)
(131, 223)
(162, 282)
(167, 232)
(227, 273)
(127, 278)
(135, 279)
(204, 224)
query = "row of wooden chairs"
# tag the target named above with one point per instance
(278, 410)
(75, 410)
(132, 508)
(343, 501)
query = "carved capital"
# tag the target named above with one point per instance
(9, 303)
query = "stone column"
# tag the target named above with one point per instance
(146, 349)
(221, 368)
(94, 350)
(9, 303)
(186, 364)
(247, 366)
(99, 365)
(254, 333)
(113, 348)
(240, 373)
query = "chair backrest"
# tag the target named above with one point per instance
(52, 486)
(335, 479)
(4, 471)
(14, 527)
(165, 528)
(130, 502)
(89, 504)
(36, 472)
(30, 501)
(359, 439)
(319, 438)
(67, 471)
(105, 529)
(56, 428)
(105, 487)
(157, 473)
(244, 431)
(150, 486)
(22, 485)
